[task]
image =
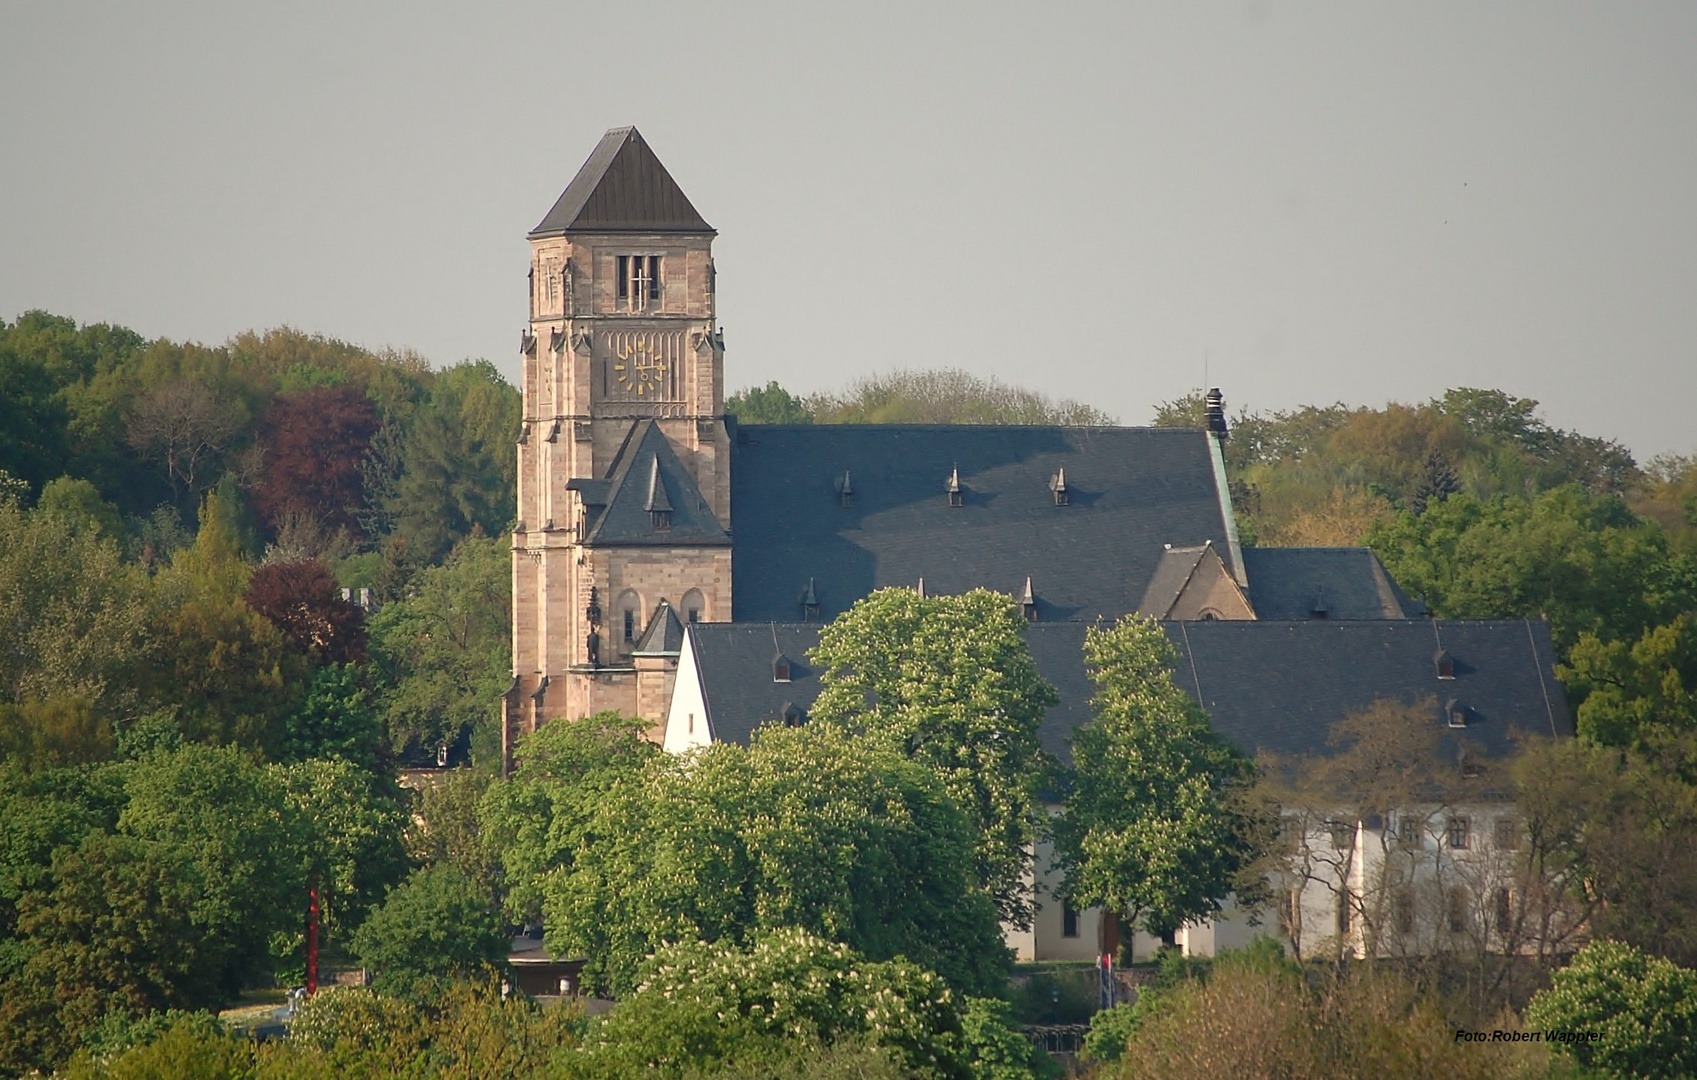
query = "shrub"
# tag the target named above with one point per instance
(1645, 1008)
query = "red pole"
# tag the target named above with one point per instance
(312, 943)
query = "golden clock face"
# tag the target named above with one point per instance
(638, 371)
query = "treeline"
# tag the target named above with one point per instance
(306, 466)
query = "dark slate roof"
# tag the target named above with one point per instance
(1284, 582)
(1277, 686)
(622, 188)
(1130, 491)
(645, 472)
(664, 635)
(1172, 574)
(735, 664)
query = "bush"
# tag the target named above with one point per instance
(1645, 1007)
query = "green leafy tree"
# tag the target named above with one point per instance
(80, 502)
(769, 404)
(76, 616)
(228, 672)
(337, 718)
(1586, 563)
(55, 732)
(1630, 693)
(228, 818)
(946, 396)
(1644, 1007)
(809, 828)
(445, 651)
(433, 929)
(540, 819)
(350, 832)
(949, 682)
(704, 1007)
(457, 466)
(1152, 830)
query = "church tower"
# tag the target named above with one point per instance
(623, 460)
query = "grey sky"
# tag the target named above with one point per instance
(1325, 201)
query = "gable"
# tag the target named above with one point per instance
(646, 476)
(1349, 583)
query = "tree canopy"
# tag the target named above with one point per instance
(948, 682)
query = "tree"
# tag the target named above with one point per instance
(703, 1007)
(314, 442)
(80, 503)
(949, 682)
(336, 719)
(227, 671)
(350, 828)
(457, 467)
(539, 820)
(769, 404)
(302, 600)
(1631, 693)
(1584, 562)
(808, 827)
(946, 396)
(1150, 831)
(54, 732)
(435, 928)
(228, 820)
(76, 616)
(1644, 1007)
(187, 426)
(446, 651)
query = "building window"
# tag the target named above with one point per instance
(1069, 920)
(1408, 831)
(694, 604)
(1503, 905)
(1343, 834)
(1459, 833)
(639, 281)
(1403, 910)
(692, 723)
(630, 625)
(1458, 910)
(1506, 835)
(1290, 914)
(1344, 905)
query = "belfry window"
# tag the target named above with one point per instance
(639, 281)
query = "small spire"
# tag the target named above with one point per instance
(845, 489)
(1028, 601)
(919, 590)
(657, 500)
(1058, 485)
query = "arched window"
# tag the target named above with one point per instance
(694, 607)
(629, 624)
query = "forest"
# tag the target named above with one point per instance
(243, 585)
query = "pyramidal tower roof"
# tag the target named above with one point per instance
(622, 188)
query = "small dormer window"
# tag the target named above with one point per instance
(955, 493)
(1058, 487)
(661, 519)
(1456, 713)
(1445, 664)
(809, 602)
(793, 715)
(1320, 610)
(1028, 602)
(780, 668)
(845, 490)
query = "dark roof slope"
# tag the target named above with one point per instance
(664, 635)
(645, 474)
(735, 664)
(1129, 492)
(1284, 583)
(1172, 574)
(1277, 686)
(622, 188)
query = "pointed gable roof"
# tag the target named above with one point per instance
(646, 475)
(622, 188)
(664, 635)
